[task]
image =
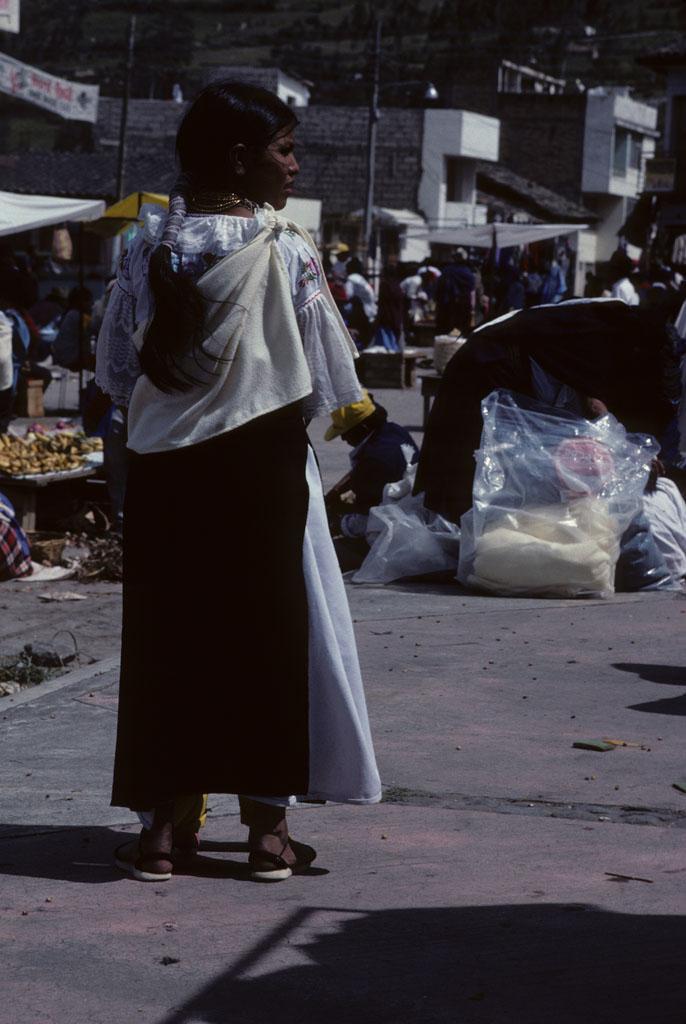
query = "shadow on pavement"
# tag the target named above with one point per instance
(69, 854)
(670, 675)
(73, 854)
(666, 706)
(518, 964)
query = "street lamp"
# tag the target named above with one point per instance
(430, 95)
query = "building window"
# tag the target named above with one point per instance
(621, 149)
(628, 150)
(635, 151)
(454, 179)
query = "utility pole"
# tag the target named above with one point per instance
(371, 145)
(121, 161)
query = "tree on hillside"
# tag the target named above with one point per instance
(164, 49)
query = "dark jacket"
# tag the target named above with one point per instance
(377, 461)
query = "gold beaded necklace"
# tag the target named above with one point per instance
(208, 201)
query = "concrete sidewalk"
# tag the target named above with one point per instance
(486, 889)
(508, 878)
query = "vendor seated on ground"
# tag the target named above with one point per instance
(15, 553)
(665, 511)
(377, 459)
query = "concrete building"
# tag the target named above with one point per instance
(453, 143)
(426, 163)
(590, 146)
(668, 181)
(290, 88)
(619, 138)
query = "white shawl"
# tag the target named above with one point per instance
(253, 361)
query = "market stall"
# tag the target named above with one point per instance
(501, 235)
(25, 212)
(31, 464)
(125, 213)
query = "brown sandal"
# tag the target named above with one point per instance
(274, 867)
(149, 858)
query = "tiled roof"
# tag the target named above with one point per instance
(674, 54)
(88, 175)
(500, 182)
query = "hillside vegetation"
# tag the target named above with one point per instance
(328, 41)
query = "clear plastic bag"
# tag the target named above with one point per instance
(553, 494)
(407, 540)
(641, 564)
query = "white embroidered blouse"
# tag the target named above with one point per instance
(202, 241)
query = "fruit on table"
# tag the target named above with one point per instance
(45, 453)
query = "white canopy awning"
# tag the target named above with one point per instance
(415, 230)
(482, 236)
(24, 212)
(305, 212)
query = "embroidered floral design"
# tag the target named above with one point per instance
(309, 272)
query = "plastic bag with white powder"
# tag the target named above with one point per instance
(553, 494)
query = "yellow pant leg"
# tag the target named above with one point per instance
(190, 812)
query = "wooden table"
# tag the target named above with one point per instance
(430, 384)
(410, 356)
(391, 369)
(23, 492)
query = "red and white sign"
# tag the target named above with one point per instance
(584, 466)
(71, 100)
(9, 15)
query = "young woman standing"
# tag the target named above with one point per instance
(239, 667)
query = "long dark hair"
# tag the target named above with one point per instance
(224, 114)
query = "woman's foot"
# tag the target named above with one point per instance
(273, 855)
(154, 862)
(149, 858)
(184, 851)
(266, 866)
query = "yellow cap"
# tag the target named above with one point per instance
(349, 416)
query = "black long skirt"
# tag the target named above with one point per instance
(214, 673)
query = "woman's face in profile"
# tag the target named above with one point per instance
(273, 173)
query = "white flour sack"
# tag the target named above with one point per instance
(553, 494)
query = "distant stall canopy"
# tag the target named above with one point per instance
(412, 226)
(122, 214)
(307, 213)
(23, 212)
(504, 236)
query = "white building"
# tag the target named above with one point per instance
(619, 136)
(292, 90)
(453, 142)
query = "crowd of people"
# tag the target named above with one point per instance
(466, 290)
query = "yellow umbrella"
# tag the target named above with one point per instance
(126, 211)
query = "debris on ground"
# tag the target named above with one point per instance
(35, 664)
(623, 743)
(598, 745)
(102, 561)
(62, 595)
(680, 784)
(50, 657)
(616, 877)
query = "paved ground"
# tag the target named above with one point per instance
(487, 888)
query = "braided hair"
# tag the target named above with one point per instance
(223, 115)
